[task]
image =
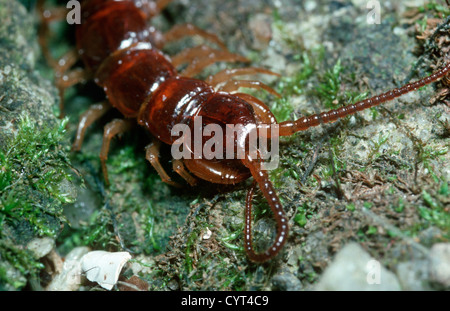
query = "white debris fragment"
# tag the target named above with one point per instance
(207, 234)
(104, 267)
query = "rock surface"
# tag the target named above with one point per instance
(70, 278)
(440, 265)
(413, 275)
(33, 162)
(353, 269)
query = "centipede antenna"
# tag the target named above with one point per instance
(290, 127)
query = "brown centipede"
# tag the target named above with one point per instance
(122, 53)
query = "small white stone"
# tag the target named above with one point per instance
(354, 269)
(41, 246)
(207, 235)
(439, 267)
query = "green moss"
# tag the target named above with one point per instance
(216, 273)
(99, 232)
(400, 206)
(295, 85)
(308, 62)
(34, 158)
(16, 263)
(302, 215)
(329, 89)
(351, 207)
(330, 86)
(149, 227)
(427, 154)
(371, 230)
(34, 185)
(231, 237)
(368, 205)
(286, 171)
(436, 8)
(434, 212)
(431, 9)
(375, 150)
(443, 190)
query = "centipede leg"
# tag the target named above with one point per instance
(183, 30)
(153, 8)
(152, 155)
(67, 80)
(226, 74)
(262, 112)
(47, 16)
(63, 78)
(65, 62)
(234, 85)
(200, 57)
(162, 4)
(178, 167)
(112, 129)
(94, 113)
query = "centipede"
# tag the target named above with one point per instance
(123, 54)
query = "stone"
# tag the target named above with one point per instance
(353, 269)
(413, 275)
(70, 277)
(286, 281)
(40, 247)
(439, 265)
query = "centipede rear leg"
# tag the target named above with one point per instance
(180, 31)
(152, 156)
(262, 112)
(234, 85)
(65, 77)
(112, 129)
(90, 116)
(227, 74)
(181, 170)
(223, 80)
(47, 16)
(202, 56)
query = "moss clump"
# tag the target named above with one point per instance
(34, 186)
(433, 211)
